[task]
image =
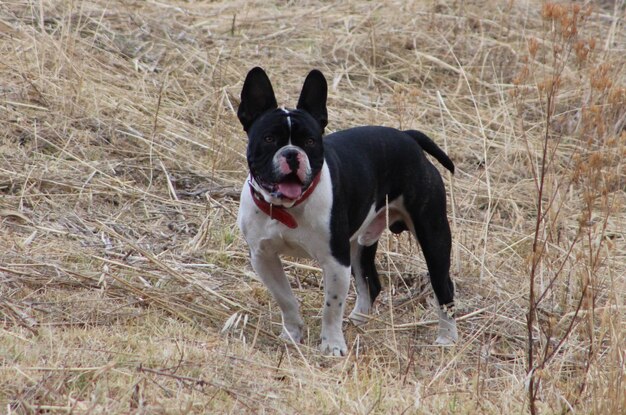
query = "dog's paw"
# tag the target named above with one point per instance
(357, 318)
(336, 348)
(446, 340)
(293, 334)
(447, 334)
(361, 311)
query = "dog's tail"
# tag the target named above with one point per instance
(431, 148)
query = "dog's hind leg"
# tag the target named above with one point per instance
(433, 233)
(270, 270)
(366, 280)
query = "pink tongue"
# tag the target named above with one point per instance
(290, 189)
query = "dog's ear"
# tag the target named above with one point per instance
(313, 97)
(257, 96)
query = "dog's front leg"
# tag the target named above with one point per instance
(269, 268)
(336, 284)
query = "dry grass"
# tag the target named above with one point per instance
(125, 287)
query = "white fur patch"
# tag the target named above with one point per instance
(312, 236)
(286, 111)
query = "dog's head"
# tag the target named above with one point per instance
(285, 149)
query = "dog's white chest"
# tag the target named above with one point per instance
(295, 243)
(311, 237)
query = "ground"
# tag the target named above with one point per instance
(125, 286)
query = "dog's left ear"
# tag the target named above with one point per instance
(257, 96)
(313, 97)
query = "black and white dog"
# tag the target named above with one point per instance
(330, 198)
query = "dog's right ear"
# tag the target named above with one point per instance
(257, 96)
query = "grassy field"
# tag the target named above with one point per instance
(125, 286)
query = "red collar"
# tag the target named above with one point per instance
(280, 213)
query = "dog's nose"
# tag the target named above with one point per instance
(291, 157)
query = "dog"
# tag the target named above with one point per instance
(330, 198)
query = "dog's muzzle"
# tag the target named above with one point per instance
(291, 166)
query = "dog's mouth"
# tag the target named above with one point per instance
(289, 187)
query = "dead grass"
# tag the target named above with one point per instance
(125, 286)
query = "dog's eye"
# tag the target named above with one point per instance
(270, 139)
(309, 142)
